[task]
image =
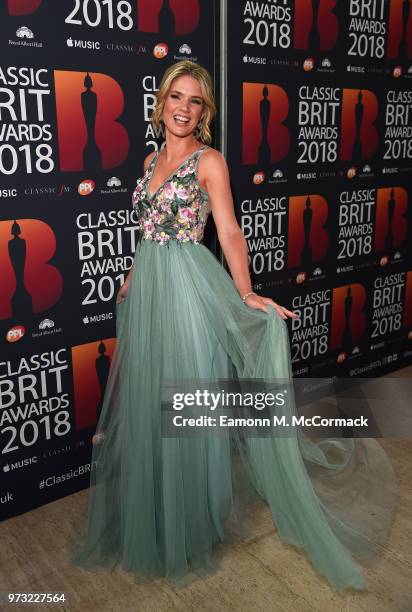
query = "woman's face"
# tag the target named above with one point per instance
(183, 106)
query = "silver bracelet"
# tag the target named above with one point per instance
(244, 298)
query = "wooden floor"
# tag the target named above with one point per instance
(260, 574)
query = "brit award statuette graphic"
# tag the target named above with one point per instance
(266, 138)
(348, 317)
(17, 8)
(359, 134)
(316, 25)
(399, 46)
(308, 240)
(91, 365)
(391, 226)
(89, 121)
(168, 17)
(29, 283)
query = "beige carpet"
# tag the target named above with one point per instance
(260, 574)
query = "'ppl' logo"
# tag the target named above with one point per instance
(15, 333)
(308, 64)
(258, 178)
(86, 187)
(160, 50)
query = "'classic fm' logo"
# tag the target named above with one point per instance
(308, 239)
(90, 134)
(391, 225)
(91, 365)
(18, 8)
(399, 45)
(359, 135)
(168, 17)
(348, 317)
(316, 25)
(29, 283)
(265, 137)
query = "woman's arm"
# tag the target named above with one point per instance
(214, 174)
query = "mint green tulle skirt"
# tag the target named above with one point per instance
(158, 505)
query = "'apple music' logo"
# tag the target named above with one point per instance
(83, 44)
(96, 318)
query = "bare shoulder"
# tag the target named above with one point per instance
(212, 161)
(212, 170)
(148, 159)
(213, 156)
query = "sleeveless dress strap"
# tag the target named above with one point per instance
(197, 158)
(200, 151)
(154, 158)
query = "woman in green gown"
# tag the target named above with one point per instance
(158, 504)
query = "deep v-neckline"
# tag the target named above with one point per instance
(152, 195)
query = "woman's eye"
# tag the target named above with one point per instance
(196, 101)
(174, 95)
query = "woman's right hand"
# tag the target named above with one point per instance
(122, 293)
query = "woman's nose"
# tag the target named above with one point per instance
(185, 104)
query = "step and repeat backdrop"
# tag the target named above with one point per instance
(78, 80)
(319, 145)
(319, 142)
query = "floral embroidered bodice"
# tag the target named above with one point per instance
(179, 208)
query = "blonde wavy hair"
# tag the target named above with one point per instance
(187, 67)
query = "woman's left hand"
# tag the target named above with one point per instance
(258, 302)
